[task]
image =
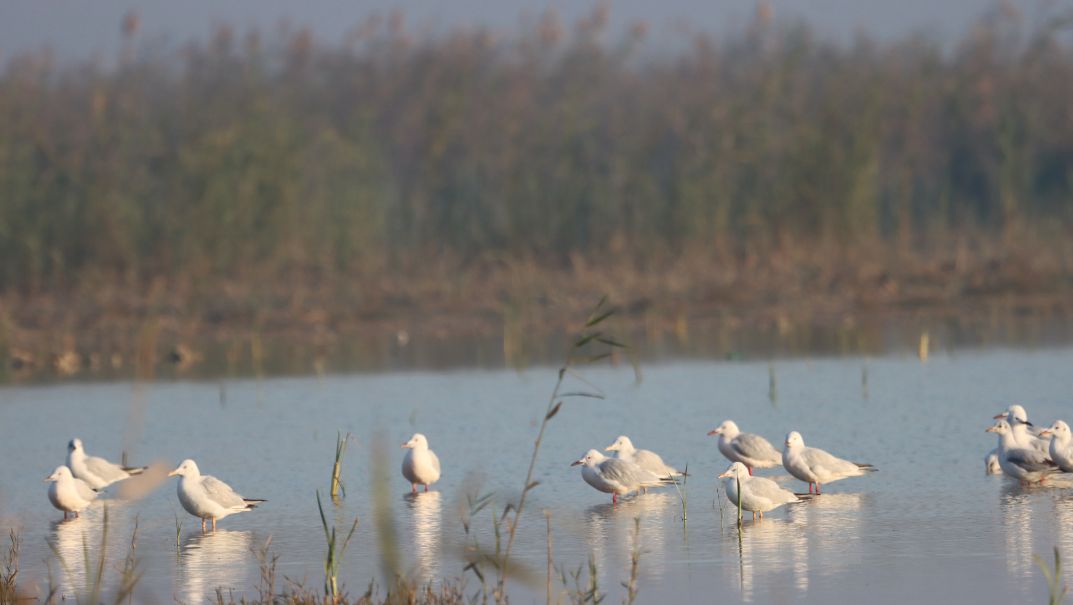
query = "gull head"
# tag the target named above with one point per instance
(417, 441)
(793, 439)
(1059, 429)
(61, 472)
(74, 445)
(590, 458)
(1015, 414)
(1001, 427)
(737, 470)
(622, 443)
(188, 468)
(727, 428)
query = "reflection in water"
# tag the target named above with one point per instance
(820, 535)
(213, 560)
(1017, 527)
(425, 522)
(610, 528)
(69, 540)
(1063, 521)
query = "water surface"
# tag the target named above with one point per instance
(930, 526)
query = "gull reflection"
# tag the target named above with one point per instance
(770, 546)
(425, 522)
(213, 560)
(611, 528)
(1063, 521)
(70, 540)
(1017, 528)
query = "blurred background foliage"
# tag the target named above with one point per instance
(248, 158)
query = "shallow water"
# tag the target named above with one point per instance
(930, 526)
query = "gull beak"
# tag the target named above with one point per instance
(1045, 433)
(724, 475)
(1028, 423)
(49, 478)
(999, 415)
(713, 432)
(990, 429)
(577, 462)
(173, 473)
(610, 448)
(406, 445)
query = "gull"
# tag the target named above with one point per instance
(98, 473)
(614, 476)
(750, 449)
(67, 493)
(1023, 434)
(206, 496)
(420, 465)
(758, 494)
(991, 465)
(1061, 449)
(648, 460)
(1027, 464)
(815, 466)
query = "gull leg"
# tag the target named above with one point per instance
(750, 470)
(203, 525)
(614, 498)
(426, 488)
(413, 488)
(214, 525)
(761, 515)
(817, 489)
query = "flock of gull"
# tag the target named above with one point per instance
(1027, 454)
(633, 470)
(1023, 453)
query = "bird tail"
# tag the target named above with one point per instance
(135, 470)
(253, 502)
(866, 467)
(802, 497)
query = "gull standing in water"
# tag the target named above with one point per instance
(750, 449)
(98, 473)
(1026, 464)
(758, 494)
(613, 475)
(420, 465)
(1061, 448)
(67, 493)
(648, 460)
(206, 496)
(815, 466)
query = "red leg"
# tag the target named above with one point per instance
(413, 488)
(426, 488)
(810, 488)
(750, 470)
(614, 498)
(817, 489)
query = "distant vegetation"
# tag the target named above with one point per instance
(248, 158)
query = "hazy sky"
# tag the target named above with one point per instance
(86, 28)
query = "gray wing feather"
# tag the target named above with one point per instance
(105, 470)
(1030, 459)
(626, 473)
(754, 446)
(221, 493)
(766, 488)
(85, 491)
(818, 458)
(435, 461)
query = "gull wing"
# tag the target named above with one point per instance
(766, 488)
(85, 491)
(105, 470)
(1030, 459)
(627, 473)
(221, 493)
(754, 446)
(820, 460)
